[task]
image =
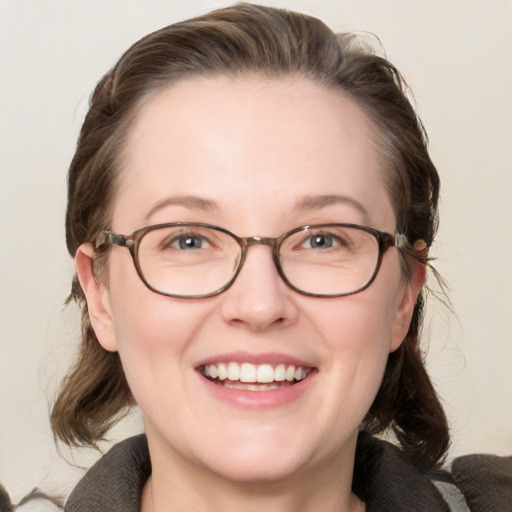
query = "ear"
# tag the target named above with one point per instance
(97, 295)
(407, 299)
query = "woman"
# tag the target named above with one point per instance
(250, 208)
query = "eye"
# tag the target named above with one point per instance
(187, 241)
(322, 241)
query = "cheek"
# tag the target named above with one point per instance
(151, 325)
(356, 340)
(155, 335)
(359, 324)
(149, 328)
(362, 349)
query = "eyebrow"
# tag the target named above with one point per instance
(309, 202)
(318, 202)
(191, 202)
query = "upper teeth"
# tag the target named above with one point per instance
(247, 372)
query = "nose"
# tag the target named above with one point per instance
(259, 299)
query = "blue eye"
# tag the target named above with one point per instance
(321, 241)
(188, 242)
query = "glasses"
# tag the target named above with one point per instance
(192, 261)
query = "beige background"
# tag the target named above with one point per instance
(456, 55)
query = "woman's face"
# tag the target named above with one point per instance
(257, 157)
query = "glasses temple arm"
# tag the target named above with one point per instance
(401, 241)
(110, 238)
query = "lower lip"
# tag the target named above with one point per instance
(272, 398)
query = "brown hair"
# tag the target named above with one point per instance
(273, 43)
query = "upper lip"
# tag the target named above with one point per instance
(273, 358)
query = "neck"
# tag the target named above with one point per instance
(323, 489)
(253, 501)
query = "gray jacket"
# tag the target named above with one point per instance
(383, 478)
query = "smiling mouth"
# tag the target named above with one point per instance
(251, 377)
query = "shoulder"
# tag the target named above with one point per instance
(116, 481)
(387, 480)
(476, 483)
(485, 481)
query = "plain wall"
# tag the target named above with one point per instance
(455, 54)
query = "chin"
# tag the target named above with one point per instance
(258, 470)
(260, 455)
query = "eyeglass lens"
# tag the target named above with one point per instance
(197, 260)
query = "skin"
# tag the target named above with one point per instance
(254, 148)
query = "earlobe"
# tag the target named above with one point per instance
(97, 296)
(411, 290)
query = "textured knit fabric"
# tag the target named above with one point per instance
(383, 478)
(492, 483)
(115, 482)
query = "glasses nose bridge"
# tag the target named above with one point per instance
(249, 241)
(258, 240)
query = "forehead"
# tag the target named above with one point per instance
(249, 145)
